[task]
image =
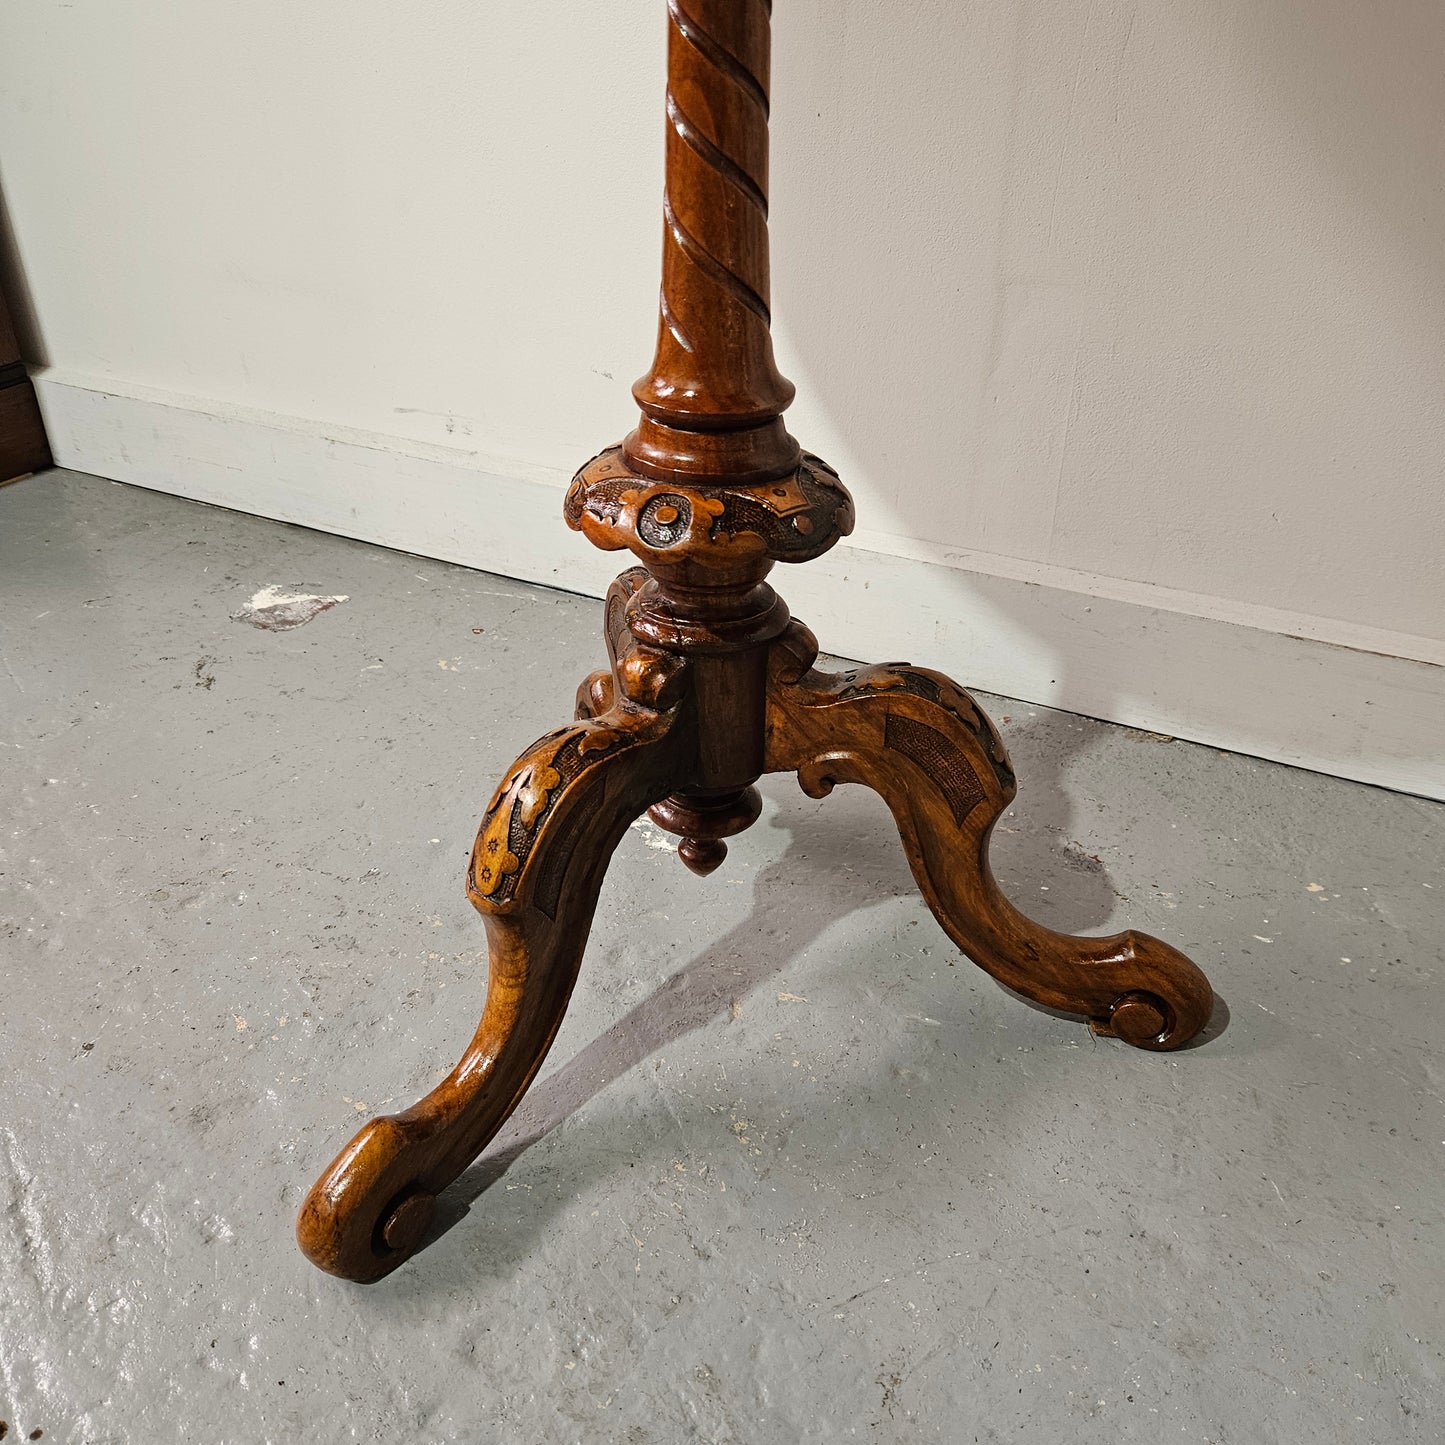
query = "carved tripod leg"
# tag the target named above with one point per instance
(927, 748)
(536, 870)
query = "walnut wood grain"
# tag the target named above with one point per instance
(23, 445)
(712, 402)
(935, 758)
(541, 852)
(710, 684)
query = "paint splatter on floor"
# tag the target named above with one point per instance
(278, 609)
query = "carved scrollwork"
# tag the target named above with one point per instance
(922, 743)
(552, 768)
(793, 519)
(630, 705)
(937, 689)
(535, 873)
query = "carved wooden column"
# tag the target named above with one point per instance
(710, 684)
(713, 401)
(710, 490)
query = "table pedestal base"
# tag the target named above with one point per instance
(544, 844)
(711, 685)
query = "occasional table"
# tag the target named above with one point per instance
(711, 684)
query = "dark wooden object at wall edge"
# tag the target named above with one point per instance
(710, 685)
(23, 447)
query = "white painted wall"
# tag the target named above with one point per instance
(1133, 302)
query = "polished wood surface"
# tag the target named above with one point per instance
(932, 754)
(711, 684)
(23, 445)
(711, 403)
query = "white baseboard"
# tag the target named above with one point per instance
(1316, 693)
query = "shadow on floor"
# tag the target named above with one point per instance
(796, 899)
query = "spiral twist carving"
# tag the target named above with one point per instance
(714, 371)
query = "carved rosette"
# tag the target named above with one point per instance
(709, 526)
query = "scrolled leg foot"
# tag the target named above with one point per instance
(925, 746)
(1138, 1018)
(370, 1211)
(536, 870)
(407, 1222)
(1163, 1019)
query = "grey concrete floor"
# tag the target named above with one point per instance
(789, 1175)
